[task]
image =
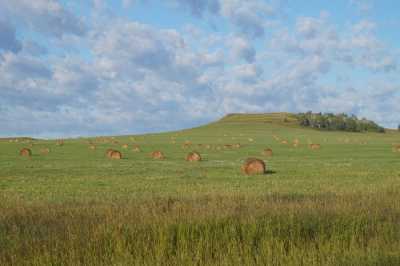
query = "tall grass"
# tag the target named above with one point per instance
(360, 229)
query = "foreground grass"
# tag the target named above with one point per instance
(213, 230)
(336, 206)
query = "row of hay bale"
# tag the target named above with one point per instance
(251, 166)
(158, 155)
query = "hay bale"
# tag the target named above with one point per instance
(193, 157)
(158, 155)
(45, 151)
(25, 152)
(284, 142)
(115, 155)
(267, 152)
(92, 147)
(315, 146)
(253, 166)
(228, 146)
(125, 146)
(237, 146)
(108, 152)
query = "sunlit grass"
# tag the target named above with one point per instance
(339, 205)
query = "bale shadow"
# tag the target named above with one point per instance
(270, 172)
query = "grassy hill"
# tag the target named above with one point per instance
(338, 205)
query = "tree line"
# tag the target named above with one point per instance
(341, 122)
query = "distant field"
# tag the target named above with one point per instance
(339, 205)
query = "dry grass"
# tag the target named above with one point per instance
(213, 230)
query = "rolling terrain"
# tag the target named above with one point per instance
(335, 205)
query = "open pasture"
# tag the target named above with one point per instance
(338, 204)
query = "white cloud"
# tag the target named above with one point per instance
(46, 16)
(134, 77)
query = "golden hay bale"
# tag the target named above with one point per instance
(237, 146)
(92, 147)
(25, 152)
(228, 146)
(284, 142)
(125, 146)
(315, 146)
(208, 146)
(253, 166)
(115, 155)
(108, 152)
(250, 139)
(267, 152)
(157, 155)
(193, 157)
(45, 151)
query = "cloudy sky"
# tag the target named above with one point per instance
(96, 67)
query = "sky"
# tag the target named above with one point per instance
(73, 68)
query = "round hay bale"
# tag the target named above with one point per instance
(45, 151)
(108, 152)
(253, 166)
(25, 152)
(125, 146)
(284, 142)
(158, 155)
(116, 155)
(315, 146)
(92, 147)
(193, 157)
(228, 146)
(267, 152)
(237, 146)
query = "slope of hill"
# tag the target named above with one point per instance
(327, 205)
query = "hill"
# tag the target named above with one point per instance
(335, 205)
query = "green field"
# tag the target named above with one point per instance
(339, 205)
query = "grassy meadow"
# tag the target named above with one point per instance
(339, 205)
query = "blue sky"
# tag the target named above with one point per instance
(97, 67)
